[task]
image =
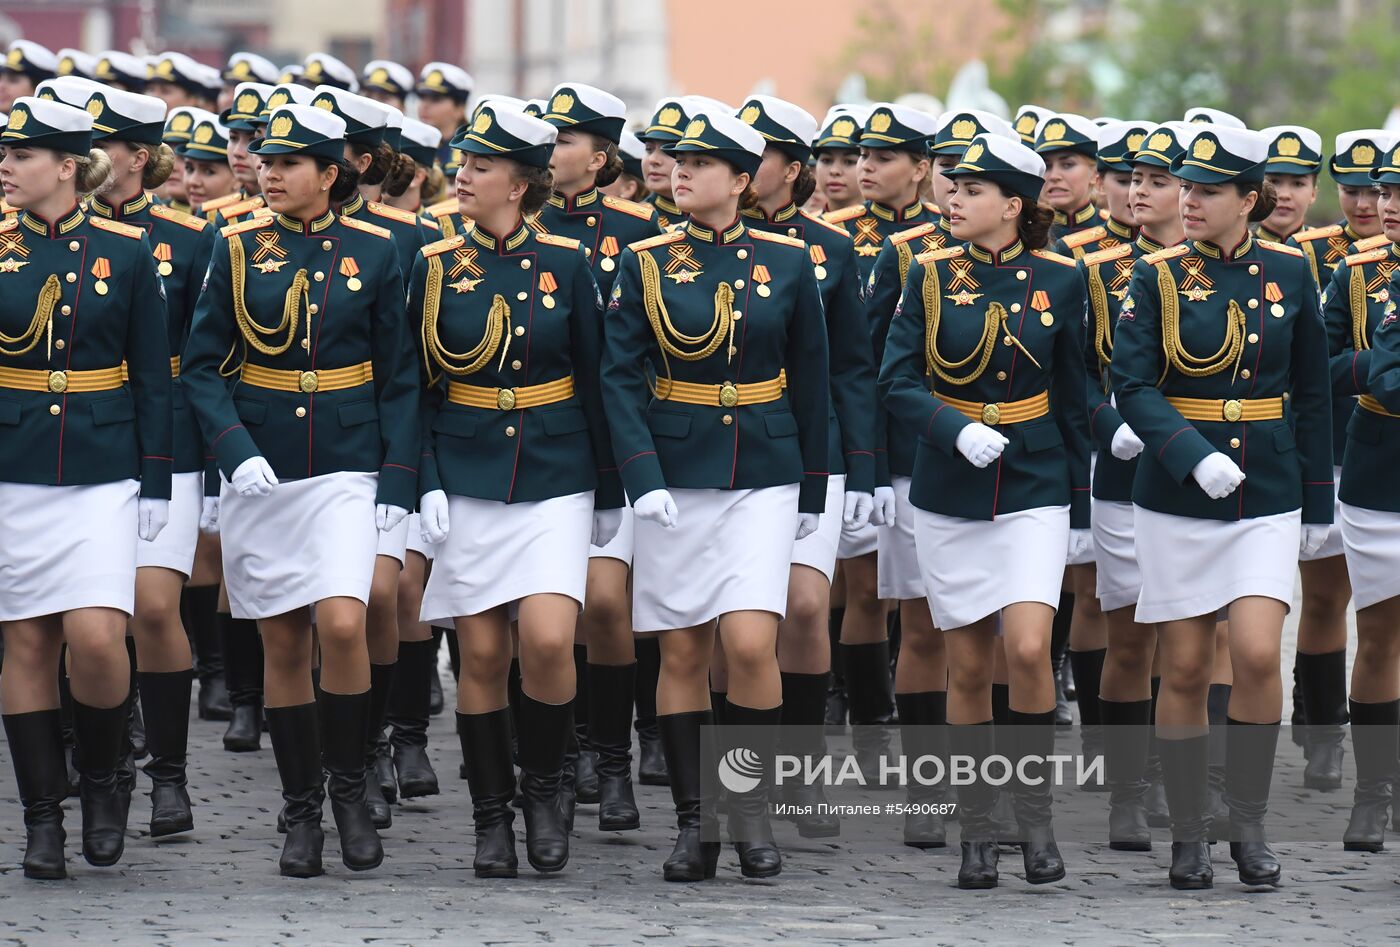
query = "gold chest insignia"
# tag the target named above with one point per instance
(12, 266)
(963, 282)
(1196, 287)
(1378, 288)
(1122, 276)
(867, 239)
(682, 265)
(270, 256)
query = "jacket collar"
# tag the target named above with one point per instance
(59, 228)
(354, 205)
(1124, 232)
(703, 234)
(889, 214)
(580, 201)
(668, 206)
(483, 237)
(783, 214)
(1078, 219)
(136, 205)
(1207, 249)
(315, 225)
(1000, 257)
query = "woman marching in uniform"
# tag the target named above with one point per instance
(516, 454)
(666, 127)
(1359, 309)
(210, 184)
(837, 150)
(781, 185)
(317, 441)
(992, 536)
(87, 467)
(585, 155)
(128, 127)
(724, 465)
(1208, 540)
(1294, 177)
(1069, 144)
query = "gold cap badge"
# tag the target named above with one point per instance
(562, 104)
(281, 127)
(1363, 154)
(1203, 149)
(964, 129)
(1288, 146)
(843, 128)
(669, 116)
(750, 114)
(482, 123)
(204, 134)
(880, 122)
(1055, 131)
(1159, 142)
(973, 152)
(247, 102)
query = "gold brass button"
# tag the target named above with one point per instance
(524, 264)
(1001, 376)
(319, 276)
(325, 244)
(1285, 396)
(1254, 337)
(587, 251)
(742, 254)
(1254, 269)
(792, 231)
(73, 245)
(522, 296)
(71, 277)
(59, 343)
(306, 345)
(505, 399)
(1234, 442)
(728, 395)
(58, 382)
(1233, 411)
(67, 310)
(308, 382)
(728, 419)
(519, 330)
(54, 409)
(1020, 274)
(1015, 307)
(510, 432)
(738, 284)
(515, 364)
(1244, 373)
(1006, 340)
(738, 314)
(301, 412)
(991, 414)
(1254, 304)
(592, 221)
(313, 309)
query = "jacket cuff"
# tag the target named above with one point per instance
(428, 478)
(1104, 423)
(811, 496)
(1079, 508)
(860, 471)
(232, 447)
(1318, 503)
(155, 477)
(398, 486)
(882, 467)
(1183, 451)
(641, 474)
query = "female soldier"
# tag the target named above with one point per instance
(525, 337)
(179, 124)
(1125, 688)
(1294, 177)
(781, 185)
(209, 181)
(1359, 307)
(992, 539)
(1204, 544)
(725, 463)
(837, 149)
(1069, 143)
(419, 141)
(317, 441)
(666, 126)
(26, 64)
(442, 92)
(128, 127)
(585, 155)
(86, 464)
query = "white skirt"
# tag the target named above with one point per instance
(1372, 539)
(394, 542)
(1193, 566)
(620, 547)
(1119, 580)
(858, 542)
(1333, 545)
(898, 574)
(1086, 556)
(67, 548)
(818, 550)
(975, 568)
(497, 553)
(414, 540)
(732, 551)
(308, 540)
(174, 547)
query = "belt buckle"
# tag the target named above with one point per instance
(1233, 410)
(308, 382)
(58, 382)
(505, 399)
(991, 413)
(728, 395)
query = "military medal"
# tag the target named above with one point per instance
(163, 254)
(1196, 287)
(818, 256)
(1274, 295)
(608, 249)
(349, 268)
(269, 257)
(867, 236)
(101, 269)
(547, 286)
(964, 282)
(762, 277)
(1040, 302)
(682, 266)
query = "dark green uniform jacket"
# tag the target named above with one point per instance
(1359, 300)
(871, 222)
(1104, 236)
(603, 225)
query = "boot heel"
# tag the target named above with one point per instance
(301, 852)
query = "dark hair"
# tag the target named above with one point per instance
(347, 179)
(1268, 198)
(1033, 226)
(612, 167)
(402, 171)
(803, 185)
(748, 199)
(539, 185)
(159, 167)
(378, 168)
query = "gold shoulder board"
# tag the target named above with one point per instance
(1371, 243)
(1104, 256)
(1370, 256)
(845, 214)
(392, 213)
(784, 239)
(117, 227)
(913, 233)
(660, 240)
(442, 246)
(219, 203)
(946, 253)
(1280, 248)
(178, 217)
(1081, 237)
(1317, 233)
(554, 240)
(1054, 258)
(363, 227)
(1170, 253)
(644, 211)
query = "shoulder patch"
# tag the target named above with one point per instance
(947, 253)
(117, 227)
(1081, 237)
(391, 213)
(1169, 253)
(784, 239)
(441, 208)
(814, 219)
(10, 224)
(644, 211)
(178, 217)
(1370, 256)
(1280, 248)
(363, 227)
(251, 205)
(845, 214)
(1054, 258)
(933, 208)
(253, 223)
(219, 203)
(913, 233)
(1317, 233)
(1104, 256)
(554, 240)
(1371, 243)
(660, 240)
(442, 246)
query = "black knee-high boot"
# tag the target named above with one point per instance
(871, 695)
(101, 738)
(1217, 712)
(1008, 830)
(166, 697)
(381, 679)
(1155, 802)
(243, 669)
(344, 721)
(1373, 740)
(749, 826)
(1088, 669)
(1126, 736)
(1184, 764)
(611, 690)
(198, 607)
(135, 721)
(407, 713)
(804, 706)
(651, 761)
(435, 698)
(1059, 643)
(923, 732)
(1249, 773)
(978, 836)
(41, 771)
(1322, 679)
(694, 856)
(65, 717)
(545, 730)
(485, 740)
(296, 744)
(1035, 738)
(580, 752)
(836, 690)
(1299, 716)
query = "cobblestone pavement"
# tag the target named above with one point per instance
(220, 884)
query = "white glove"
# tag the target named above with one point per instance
(606, 523)
(658, 507)
(1312, 538)
(387, 516)
(1126, 445)
(1079, 540)
(151, 517)
(1217, 475)
(432, 517)
(254, 477)
(980, 444)
(209, 515)
(807, 524)
(857, 510)
(883, 512)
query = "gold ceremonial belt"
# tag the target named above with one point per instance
(727, 395)
(39, 379)
(325, 379)
(1214, 409)
(1001, 412)
(1375, 407)
(174, 368)
(507, 399)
